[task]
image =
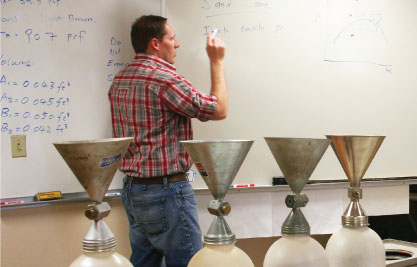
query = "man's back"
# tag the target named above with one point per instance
(153, 104)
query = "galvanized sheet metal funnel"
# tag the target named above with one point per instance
(355, 154)
(218, 161)
(297, 158)
(94, 162)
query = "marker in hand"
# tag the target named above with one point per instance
(213, 33)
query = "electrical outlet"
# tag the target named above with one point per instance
(18, 146)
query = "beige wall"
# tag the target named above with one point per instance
(52, 236)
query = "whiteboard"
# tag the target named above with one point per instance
(307, 68)
(58, 58)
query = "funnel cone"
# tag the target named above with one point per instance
(218, 161)
(355, 154)
(297, 158)
(94, 162)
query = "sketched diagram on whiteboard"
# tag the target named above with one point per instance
(356, 35)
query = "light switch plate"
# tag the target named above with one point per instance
(18, 146)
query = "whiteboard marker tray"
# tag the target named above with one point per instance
(400, 253)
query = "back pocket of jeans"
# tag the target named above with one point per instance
(151, 216)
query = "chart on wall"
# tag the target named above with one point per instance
(356, 33)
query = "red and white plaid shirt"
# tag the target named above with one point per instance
(152, 103)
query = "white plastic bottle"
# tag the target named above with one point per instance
(220, 256)
(296, 251)
(355, 247)
(101, 259)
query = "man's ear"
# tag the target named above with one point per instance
(154, 43)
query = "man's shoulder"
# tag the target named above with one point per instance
(163, 73)
(151, 69)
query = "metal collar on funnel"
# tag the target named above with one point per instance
(218, 162)
(297, 158)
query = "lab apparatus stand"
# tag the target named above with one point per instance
(94, 163)
(355, 244)
(218, 163)
(297, 158)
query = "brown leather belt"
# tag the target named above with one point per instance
(160, 179)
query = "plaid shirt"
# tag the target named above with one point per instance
(152, 103)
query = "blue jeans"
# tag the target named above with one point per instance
(163, 222)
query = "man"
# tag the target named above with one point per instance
(154, 104)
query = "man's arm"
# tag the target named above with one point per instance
(216, 52)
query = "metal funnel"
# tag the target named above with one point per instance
(218, 161)
(94, 162)
(355, 154)
(297, 158)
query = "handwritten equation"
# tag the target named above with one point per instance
(34, 129)
(30, 104)
(53, 86)
(37, 115)
(29, 35)
(50, 53)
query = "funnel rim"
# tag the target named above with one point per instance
(215, 141)
(93, 141)
(347, 135)
(294, 138)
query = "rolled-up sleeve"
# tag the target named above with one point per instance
(183, 98)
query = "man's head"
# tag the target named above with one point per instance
(153, 35)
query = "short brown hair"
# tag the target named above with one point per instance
(144, 29)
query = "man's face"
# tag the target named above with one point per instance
(168, 45)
